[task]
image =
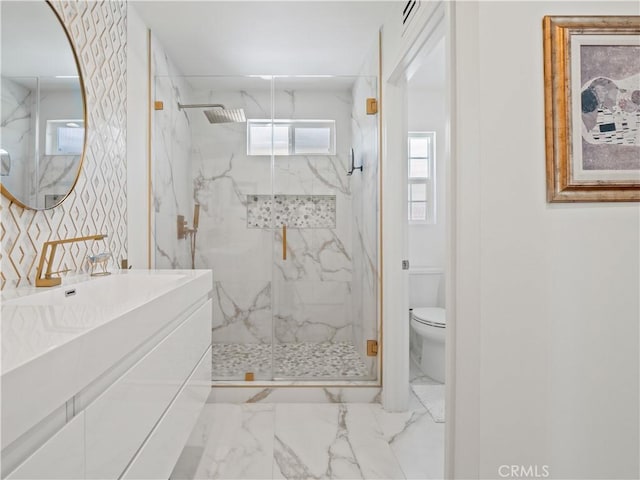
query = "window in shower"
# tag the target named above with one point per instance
(421, 170)
(64, 137)
(291, 137)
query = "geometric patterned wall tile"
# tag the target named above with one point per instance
(98, 204)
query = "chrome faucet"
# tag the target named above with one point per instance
(48, 280)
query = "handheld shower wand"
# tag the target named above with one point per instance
(193, 231)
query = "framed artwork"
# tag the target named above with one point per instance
(592, 108)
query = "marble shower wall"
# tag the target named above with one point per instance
(223, 175)
(172, 186)
(309, 294)
(312, 288)
(366, 207)
(56, 173)
(17, 119)
(98, 203)
(331, 255)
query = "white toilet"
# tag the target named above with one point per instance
(428, 320)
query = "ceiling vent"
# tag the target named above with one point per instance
(408, 12)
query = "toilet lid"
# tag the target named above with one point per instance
(434, 316)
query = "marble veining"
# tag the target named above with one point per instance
(325, 291)
(243, 318)
(172, 185)
(203, 183)
(307, 297)
(312, 441)
(432, 397)
(295, 211)
(18, 122)
(334, 176)
(296, 391)
(365, 201)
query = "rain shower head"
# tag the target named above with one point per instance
(219, 113)
(225, 115)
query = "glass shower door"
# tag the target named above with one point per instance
(291, 237)
(199, 160)
(318, 326)
(235, 185)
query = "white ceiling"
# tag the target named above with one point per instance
(257, 83)
(266, 37)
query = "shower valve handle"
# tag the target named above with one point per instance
(284, 242)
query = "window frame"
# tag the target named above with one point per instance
(52, 136)
(429, 181)
(291, 125)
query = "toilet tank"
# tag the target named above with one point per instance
(426, 287)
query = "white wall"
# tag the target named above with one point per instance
(427, 114)
(552, 376)
(137, 140)
(545, 309)
(398, 54)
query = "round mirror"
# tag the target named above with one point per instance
(43, 106)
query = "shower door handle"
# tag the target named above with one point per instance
(284, 242)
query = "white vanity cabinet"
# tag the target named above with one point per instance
(164, 445)
(144, 395)
(61, 457)
(118, 422)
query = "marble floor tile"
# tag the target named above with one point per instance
(229, 442)
(432, 397)
(313, 441)
(373, 452)
(416, 441)
(338, 441)
(318, 450)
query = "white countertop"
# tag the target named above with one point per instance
(32, 326)
(53, 346)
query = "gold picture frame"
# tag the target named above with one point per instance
(592, 108)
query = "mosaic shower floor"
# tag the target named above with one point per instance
(300, 360)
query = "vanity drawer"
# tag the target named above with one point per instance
(160, 453)
(119, 421)
(62, 457)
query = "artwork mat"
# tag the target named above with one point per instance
(559, 119)
(578, 173)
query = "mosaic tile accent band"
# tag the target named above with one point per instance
(294, 211)
(98, 204)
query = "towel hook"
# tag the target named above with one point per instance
(353, 164)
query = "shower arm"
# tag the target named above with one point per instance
(201, 105)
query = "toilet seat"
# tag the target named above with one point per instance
(431, 316)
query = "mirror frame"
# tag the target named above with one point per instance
(83, 94)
